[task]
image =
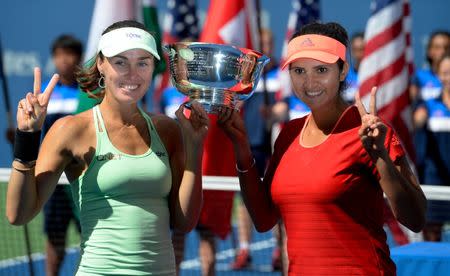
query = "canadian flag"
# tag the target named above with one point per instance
(225, 20)
(230, 22)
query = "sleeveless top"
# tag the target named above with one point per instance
(124, 212)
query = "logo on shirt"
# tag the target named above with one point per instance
(109, 156)
(160, 153)
(395, 141)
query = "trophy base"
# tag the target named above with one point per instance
(213, 101)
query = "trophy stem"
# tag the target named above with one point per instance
(212, 101)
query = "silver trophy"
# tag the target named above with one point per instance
(214, 75)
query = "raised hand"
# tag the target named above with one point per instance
(32, 109)
(232, 124)
(196, 127)
(373, 130)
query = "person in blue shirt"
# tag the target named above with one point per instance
(66, 52)
(357, 54)
(426, 85)
(434, 116)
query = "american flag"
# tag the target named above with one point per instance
(407, 30)
(386, 64)
(180, 23)
(303, 12)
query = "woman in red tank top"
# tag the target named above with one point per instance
(329, 169)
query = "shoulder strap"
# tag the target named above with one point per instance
(153, 133)
(98, 120)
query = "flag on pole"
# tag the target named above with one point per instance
(387, 56)
(303, 12)
(232, 22)
(387, 64)
(407, 29)
(180, 23)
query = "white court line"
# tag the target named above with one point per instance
(228, 253)
(35, 257)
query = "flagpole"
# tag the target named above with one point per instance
(10, 131)
(264, 72)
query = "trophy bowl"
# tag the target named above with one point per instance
(215, 75)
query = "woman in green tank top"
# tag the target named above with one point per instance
(133, 175)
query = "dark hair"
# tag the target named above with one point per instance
(67, 42)
(89, 76)
(432, 37)
(331, 29)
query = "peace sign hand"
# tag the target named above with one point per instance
(32, 109)
(373, 131)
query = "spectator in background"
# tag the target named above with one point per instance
(433, 115)
(357, 54)
(426, 85)
(257, 118)
(59, 210)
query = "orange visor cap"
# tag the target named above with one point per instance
(319, 47)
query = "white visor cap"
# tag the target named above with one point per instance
(120, 40)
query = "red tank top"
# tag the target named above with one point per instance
(331, 202)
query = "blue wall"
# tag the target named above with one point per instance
(28, 27)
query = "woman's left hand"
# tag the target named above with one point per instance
(196, 127)
(373, 130)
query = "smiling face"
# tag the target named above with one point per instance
(316, 83)
(128, 74)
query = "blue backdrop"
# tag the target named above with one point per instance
(28, 27)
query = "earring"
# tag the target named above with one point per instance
(101, 81)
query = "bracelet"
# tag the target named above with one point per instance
(244, 171)
(26, 145)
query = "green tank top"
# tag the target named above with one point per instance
(123, 204)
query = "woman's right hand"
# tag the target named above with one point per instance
(232, 124)
(32, 109)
